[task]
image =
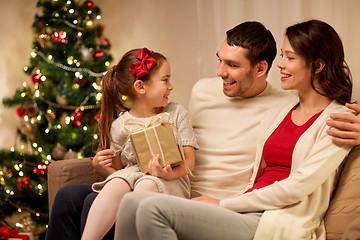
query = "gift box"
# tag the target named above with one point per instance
(20, 236)
(157, 138)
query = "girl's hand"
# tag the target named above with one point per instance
(156, 170)
(105, 163)
(169, 173)
(103, 158)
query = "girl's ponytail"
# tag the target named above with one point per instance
(111, 105)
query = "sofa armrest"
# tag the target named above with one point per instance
(345, 204)
(69, 171)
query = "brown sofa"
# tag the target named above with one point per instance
(344, 206)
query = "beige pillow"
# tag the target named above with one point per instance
(353, 231)
(345, 204)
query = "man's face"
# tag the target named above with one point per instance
(236, 71)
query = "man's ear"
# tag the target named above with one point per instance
(319, 65)
(262, 67)
(139, 87)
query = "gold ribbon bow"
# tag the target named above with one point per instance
(154, 122)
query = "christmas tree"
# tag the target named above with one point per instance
(58, 109)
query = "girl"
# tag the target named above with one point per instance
(142, 76)
(296, 165)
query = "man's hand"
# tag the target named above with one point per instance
(345, 128)
(207, 199)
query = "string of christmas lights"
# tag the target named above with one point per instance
(70, 69)
(81, 107)
(68, 23)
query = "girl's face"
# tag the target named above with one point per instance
(158, 86)
(295, 72)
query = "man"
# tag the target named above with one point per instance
(226, 124)
(226, 116)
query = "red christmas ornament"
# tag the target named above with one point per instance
(41, 169)
(80, 81)
(89, 4)
(31, 110)
(22, 182)
(77, 118)
(20, 111)
(35, 78)
(97, 116)
(6, 233)
(41, 24)
(98, 54)
(59, 36)
(104, 39)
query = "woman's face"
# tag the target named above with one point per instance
(295, 72)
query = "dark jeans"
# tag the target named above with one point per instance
(69, 212)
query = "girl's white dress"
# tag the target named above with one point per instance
(131, 172)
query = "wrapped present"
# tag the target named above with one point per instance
(156, 138)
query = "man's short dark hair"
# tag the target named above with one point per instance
(257, 39)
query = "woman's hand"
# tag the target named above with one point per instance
(156, 170)
(207, 199)
(345, 128)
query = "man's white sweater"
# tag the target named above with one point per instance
(226, 130)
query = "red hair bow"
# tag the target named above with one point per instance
(21, 182)
(144, 65)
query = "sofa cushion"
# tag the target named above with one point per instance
(345, 204)
(352, 232)
(69, 171)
